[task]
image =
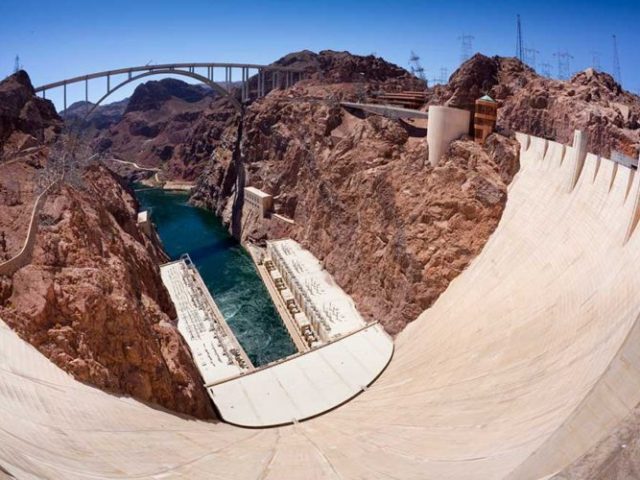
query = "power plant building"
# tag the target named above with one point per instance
(258, 201)
(327, 307)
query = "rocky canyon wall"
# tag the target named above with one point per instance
(91, 299)
(391, 229)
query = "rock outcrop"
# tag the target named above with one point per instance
(591, 101)
(25, 120)
(91, 299)
(392, 230)
(90, 120)
(167, 124)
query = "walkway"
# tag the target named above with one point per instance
(386, 111)
(135, 165)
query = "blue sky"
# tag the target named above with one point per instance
(63, 38)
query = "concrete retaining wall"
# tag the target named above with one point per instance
(14, 264)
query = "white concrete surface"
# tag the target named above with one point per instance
(306, 385)
(445, 125)
(525, 362)
(328, 307)
(143, 216)
(144, 222)
(259, 201)
(389, 111)
(203, 327)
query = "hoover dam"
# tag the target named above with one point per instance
(520, 367)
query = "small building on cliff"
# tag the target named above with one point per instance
(258, 201)
(484, 120)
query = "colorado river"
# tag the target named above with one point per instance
(227, 270)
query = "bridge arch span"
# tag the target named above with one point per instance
(267, 78)
(216, 87)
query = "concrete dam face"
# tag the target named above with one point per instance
(527, 360)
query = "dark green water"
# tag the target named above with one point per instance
(227, 270)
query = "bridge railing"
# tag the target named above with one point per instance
(279, 76)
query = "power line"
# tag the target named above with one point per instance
(443, 78)
(545, 69)
(616, 61)
(530, 57)
(416, 67)
(466, 47)
(564, 64)
(16, 66)
(444, 75)
(595, 60)
(519, 48)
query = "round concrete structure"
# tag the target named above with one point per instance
(445, 124)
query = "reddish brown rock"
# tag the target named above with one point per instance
(166, 124)
(591, 101)
(91, 299)
(392, 230)
(25, 119)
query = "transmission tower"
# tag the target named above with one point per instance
(416, 67)
(442, 78)
(466, 47)
(616, 61)
(16, 66)
(545, 69)
(595, 60)
(444, 75)
(530, 57)
(564, 64)
(519, 48)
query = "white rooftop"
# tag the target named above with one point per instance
(143, 216)
(332, 304)
(306, 385)
(257, 192)
(200, 323)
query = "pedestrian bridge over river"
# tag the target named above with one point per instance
(524, 364)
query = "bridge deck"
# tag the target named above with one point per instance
(386, 110)
(164, 66)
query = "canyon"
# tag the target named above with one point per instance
(393, 230)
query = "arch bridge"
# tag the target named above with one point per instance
(255, 80)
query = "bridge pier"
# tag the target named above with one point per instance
(246, 83)
(280, 76)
